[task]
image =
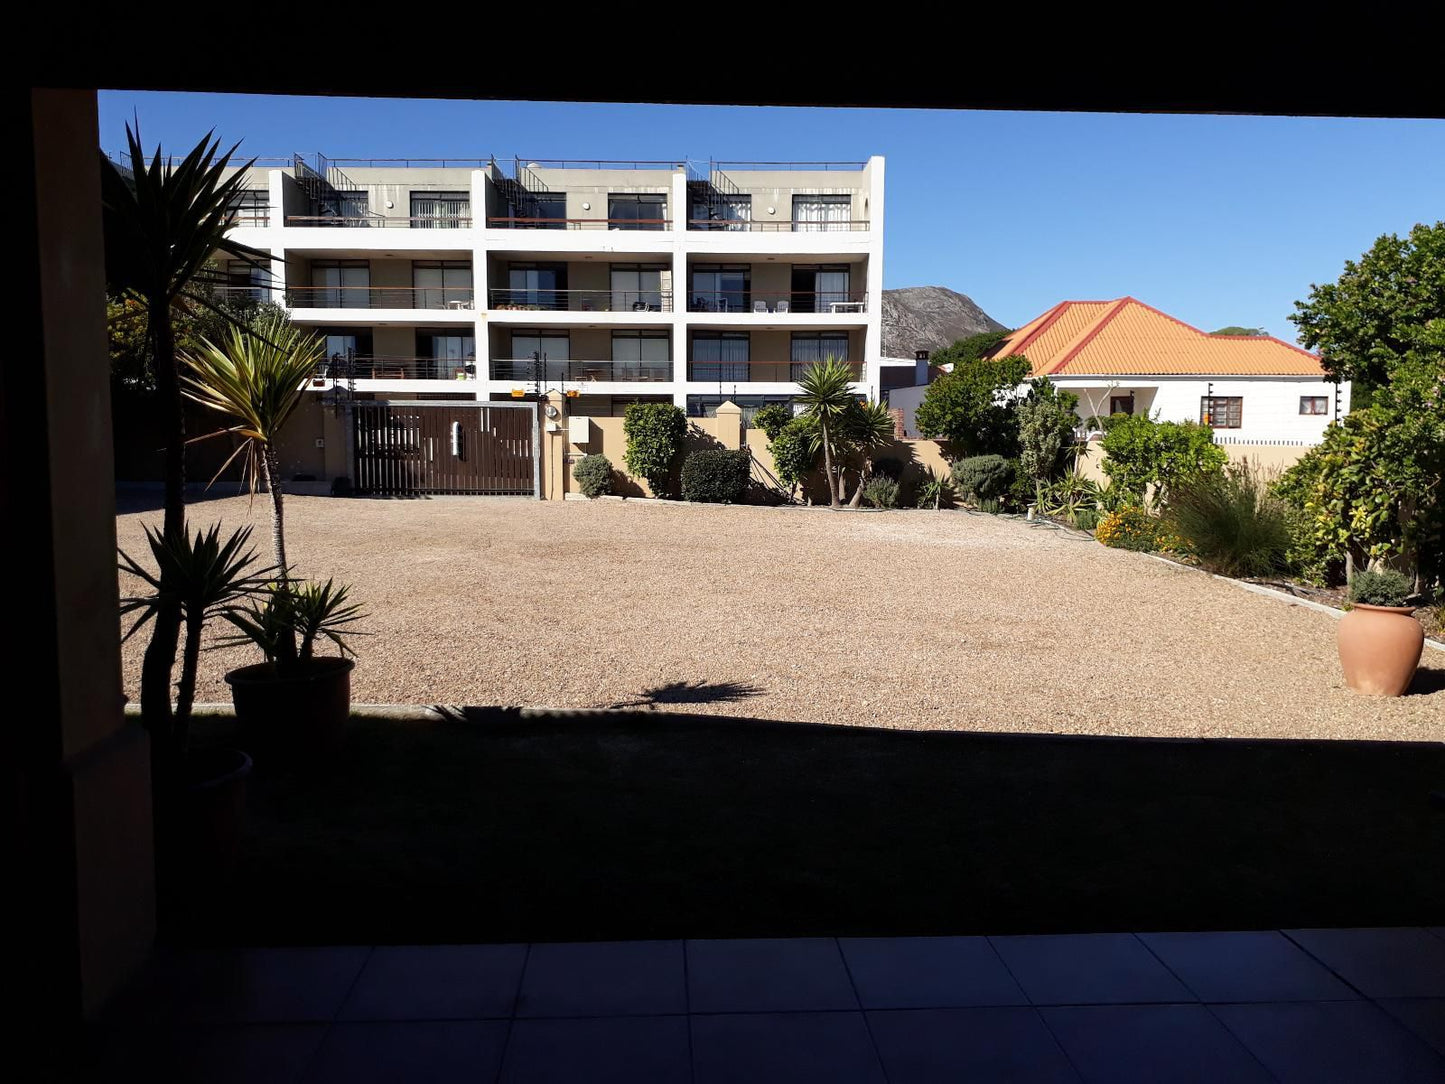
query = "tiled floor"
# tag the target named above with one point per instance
(1307, 1005)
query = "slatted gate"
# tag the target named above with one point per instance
(407, 448)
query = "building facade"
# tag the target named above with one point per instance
(613, 282)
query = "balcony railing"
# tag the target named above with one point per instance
(512, 222)
(792, 301)
(375, 221)
(526, 369)
(251, 218)
(766, 371)
(849, 225)
(389, 367)
(582, 300)
(380, 297)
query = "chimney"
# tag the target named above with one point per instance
(920, 367)
(897, 415)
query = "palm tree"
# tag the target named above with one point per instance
(866, 427)
(826, 395)
(257, 376)
(163, 225)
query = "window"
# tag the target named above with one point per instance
(1121, 404)
(818, 287)
(551, 208)
(813, 213)
(720, 288)
(245, 280)
(641, 355)
(1314, 404)
(1221, 411)
(441, 210)
(251, 206)
(441, 284)
(640, 212)
(722, 213)
(554, 350)
(347, 208)
(535, 286)
(441, 355)
(637, 287)
(340, 284)
(808, 348)
(705, 406)
(720, 357)
(343, 343)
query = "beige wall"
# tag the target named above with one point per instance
(607, 438)
(297, 449)
(1273, 457)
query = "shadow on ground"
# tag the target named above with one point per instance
(495, 825)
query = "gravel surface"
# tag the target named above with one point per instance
(926, 620)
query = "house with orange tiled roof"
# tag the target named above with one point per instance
(1124, 356)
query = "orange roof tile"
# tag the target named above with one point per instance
(1128, 337)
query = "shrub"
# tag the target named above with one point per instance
(1133, 528)
(1380, 587)
(990, 505)
(1230, 521)
(655, 432)
(1048, 420)
(937, 492)
(1085, 519)
(771, 419)
(982, 477)
(888, 467)
(1143, 452)
(881, 492)
(715, 475)
(594, 475)
(794, 452)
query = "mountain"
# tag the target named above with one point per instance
(929, 318)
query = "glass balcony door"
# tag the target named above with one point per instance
(443, 284)
(340, 284)
(641, 355)
(808, 349)
(552, 349)
(536, 286)
(822, 213)
(819, 288)
(637, 288)
(720, 289)
(440, 356)
(720, 357)
(636, 212)
(440, 210)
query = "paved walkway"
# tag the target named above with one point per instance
(1294, 1005)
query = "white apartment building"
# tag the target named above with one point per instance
(614, 281)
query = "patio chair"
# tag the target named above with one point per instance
(760, 306)
(781, 306)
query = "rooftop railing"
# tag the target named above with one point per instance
(600, 163)
(780, 167)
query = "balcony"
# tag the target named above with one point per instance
(756, 372)
(372, 220)
(514, 222)
(380, 297)
(392, 367)
(832, 302)
(530, 300)
(527, 369)
(735, 225)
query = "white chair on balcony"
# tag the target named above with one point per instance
(781, 306)
(760, 306)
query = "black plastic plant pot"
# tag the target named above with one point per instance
(296, 715)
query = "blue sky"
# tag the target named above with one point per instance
(1216, 220)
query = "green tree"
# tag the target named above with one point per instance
(865, 428)
(163, 227)
(1235, 329)
(795, 452)
(826, 392)
(1144, 452)
(655, 432)
(771, 419)
(1386, 309)
(1048, 420)
(257, 377)
(970, 349)
(975, 407)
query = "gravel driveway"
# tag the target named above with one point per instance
(909, 619)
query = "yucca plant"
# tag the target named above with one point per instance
(202, 579)
(937, 492)
(825, 392)
(257, 376)
(164, 225)
(289, 616)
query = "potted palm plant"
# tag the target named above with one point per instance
(1379, 639)
(296, 701)
(200, 793)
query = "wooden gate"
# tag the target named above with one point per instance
(406, 448)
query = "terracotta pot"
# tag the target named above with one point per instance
(296, 716)
(214, 808)
(1380, 648)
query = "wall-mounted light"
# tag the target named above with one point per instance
(517, 393)
(772, 210)
(389, 205)
(572, 393)
(586, 206)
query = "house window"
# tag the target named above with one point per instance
(441, 210)
(534, 286)
(1221, 411)
(818, 287)
(441, 284)
(340, 284)
(251, 207)
(345, 208)
(1121, 404)
(637, 287)
(343, 344)
(439, 356)
(636, 212)
(245, 280)
(641, 355)
(1314, 404)
(808, 348)
(554, 349)
(720, 357)
(720, 288)
(814, 213)
(722, 213)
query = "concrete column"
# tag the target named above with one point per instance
(79, 772)
(730, 425)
